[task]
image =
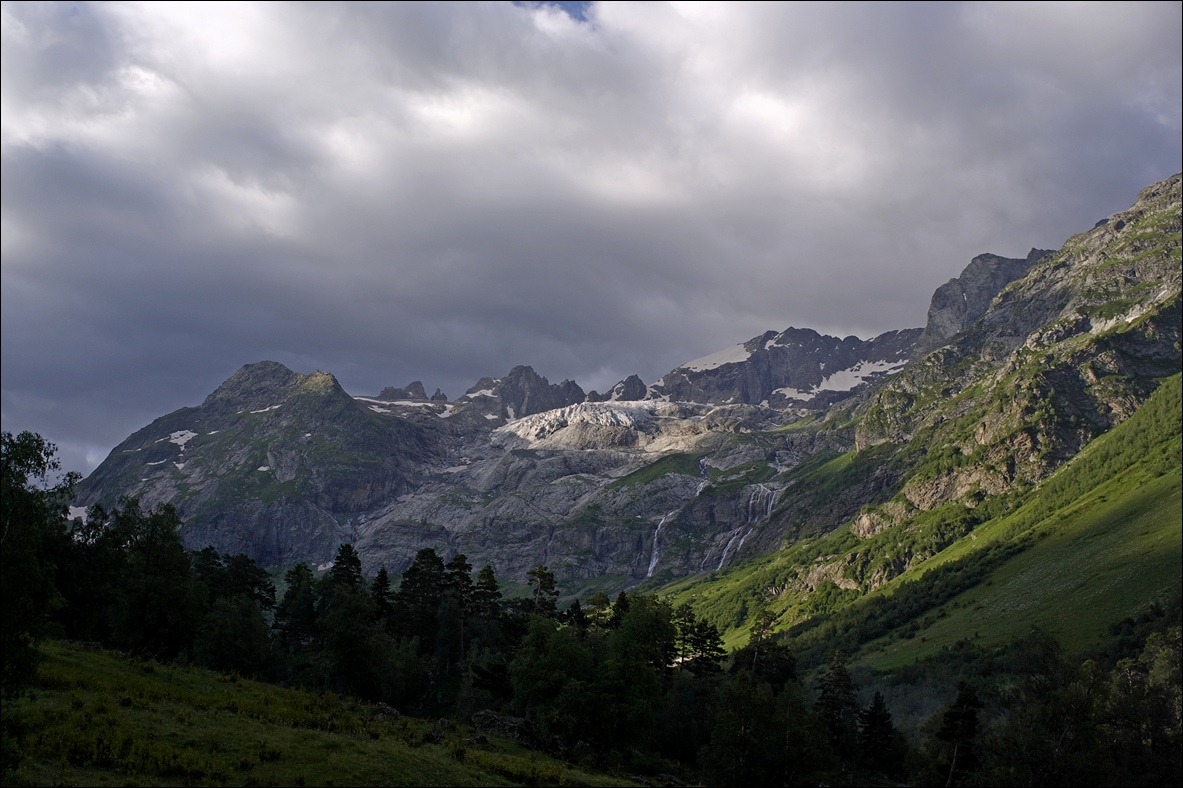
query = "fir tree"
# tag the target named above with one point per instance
(877, 737)
(837, 705)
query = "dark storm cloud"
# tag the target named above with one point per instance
(440, 192)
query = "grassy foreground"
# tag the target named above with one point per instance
(95, 718)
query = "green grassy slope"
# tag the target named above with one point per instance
(1092, 544)
(97, 719)
(1096, 563)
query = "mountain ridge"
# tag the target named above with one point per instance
(615, 489)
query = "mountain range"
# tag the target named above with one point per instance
(899, 446)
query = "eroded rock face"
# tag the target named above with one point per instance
(412, 391)
(523, 392)
(957, 304)
(630, 389)
(797, 368)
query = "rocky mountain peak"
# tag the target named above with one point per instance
(412, 391)
(523, 392)
(252, 387)
(631, 389)
(957, 304)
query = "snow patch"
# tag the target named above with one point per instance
(405, 403)
(180, 466)
(180, 437)
(793, 393)
(264, 410)
(847, 379)
(732, 355)
(158, 462)
(481, 393)
(491, 416)
(264, 468)
(78, 513)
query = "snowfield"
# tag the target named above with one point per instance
(732, 355)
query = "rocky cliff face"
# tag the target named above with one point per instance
(957, 304)
(797, 368)
(630, 389)
(789, 434)
(523, 392)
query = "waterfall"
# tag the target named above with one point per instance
(727, 549)
(760, 503)
(656, 536)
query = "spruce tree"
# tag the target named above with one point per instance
(959, 728)
(837, 705)
(877, 737)
(346, 570)
(382, 595)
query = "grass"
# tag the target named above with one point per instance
(1092, 564)
(1094, 543)
(95, 718)
(684, 464)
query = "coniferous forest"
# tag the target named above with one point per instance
(630, 685)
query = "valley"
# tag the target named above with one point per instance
(997, 490)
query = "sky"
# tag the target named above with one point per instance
(440, 192)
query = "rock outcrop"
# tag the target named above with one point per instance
(797, 368)
(957, 304)
(412, 391)
(523, 392)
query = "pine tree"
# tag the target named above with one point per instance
(959, 728)
(546, 591)
(346, 571)
(575, 616)
(877, 737)
(418, 598)
(382, 595)
(487, 595)
(296, 617)
(837, 705)
(619, 609)
(458, 581)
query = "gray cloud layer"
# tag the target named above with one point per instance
(440, 192)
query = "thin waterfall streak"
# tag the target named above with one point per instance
(656, 554)
(727, 549)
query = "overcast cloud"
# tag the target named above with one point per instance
(441, 192)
